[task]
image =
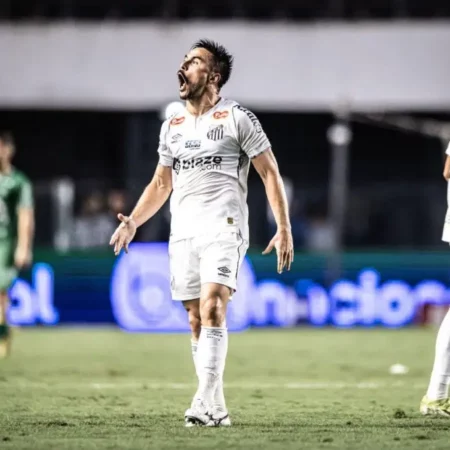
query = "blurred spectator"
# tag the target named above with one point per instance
(298, 223)
(117, 203)
(358, 218)
(289, 187)
(93, 228)
(320, 234)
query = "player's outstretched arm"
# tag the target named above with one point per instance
(25, 224)
(447, 168)
(267, 167)
(25, 233)
(152, 199)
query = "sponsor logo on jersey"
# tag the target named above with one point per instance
(193, 144)
(220, 114)
(177, 120)
(176, 138)
(202, 163)
(215, 133)
(252, 117)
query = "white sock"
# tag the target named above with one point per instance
(210, 360)
(194, 347)
(219, 396)
(440, 377)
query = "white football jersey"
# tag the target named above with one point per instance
(210, 157)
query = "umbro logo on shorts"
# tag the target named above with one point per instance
(224, 271)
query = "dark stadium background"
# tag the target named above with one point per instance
(98, 361)
(87, 164)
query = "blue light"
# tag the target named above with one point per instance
(395, 306)
(318, 305)
(141, 299)
(34, 303)
(344, 298)
(276, 305)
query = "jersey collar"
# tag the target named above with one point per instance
(207, 113)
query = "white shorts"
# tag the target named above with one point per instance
(204, 259)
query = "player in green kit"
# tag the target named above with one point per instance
(16, 229)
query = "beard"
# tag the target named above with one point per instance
(192, 91)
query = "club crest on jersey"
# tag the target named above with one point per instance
(220, 114)
(177, 120)
(215, 133)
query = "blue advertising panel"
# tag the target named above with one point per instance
(133, 291)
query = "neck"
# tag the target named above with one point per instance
(5, 167)
(202, 105)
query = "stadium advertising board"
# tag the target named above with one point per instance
(133, 291)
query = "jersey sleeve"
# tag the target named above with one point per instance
(165, 155)
(25, 198)
(448, 149)
(251, 136)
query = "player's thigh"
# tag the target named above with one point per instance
(184, 270)
(220, 261)
(7, 270)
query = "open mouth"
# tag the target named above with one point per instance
(182, 80)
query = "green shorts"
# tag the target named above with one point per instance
(8, 272)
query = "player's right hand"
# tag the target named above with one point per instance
(447, 168)
(124, 234)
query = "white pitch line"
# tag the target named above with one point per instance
(303, 385)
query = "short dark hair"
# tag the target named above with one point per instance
(222, 58)
(7, 138)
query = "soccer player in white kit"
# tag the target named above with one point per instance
(437, 401)
(204, 160)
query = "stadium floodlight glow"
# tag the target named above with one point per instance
(170, 109)
(339, 134)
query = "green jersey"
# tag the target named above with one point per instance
(15, 192)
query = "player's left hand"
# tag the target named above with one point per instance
(284, 245)
(22, 257)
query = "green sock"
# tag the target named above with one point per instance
(4, 331)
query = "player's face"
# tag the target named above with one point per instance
(194, 74)
(5, 153)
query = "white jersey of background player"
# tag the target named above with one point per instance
(437, 401)
(205, 154)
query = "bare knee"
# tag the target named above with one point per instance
(213, 307)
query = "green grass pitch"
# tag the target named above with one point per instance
(286, 389)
